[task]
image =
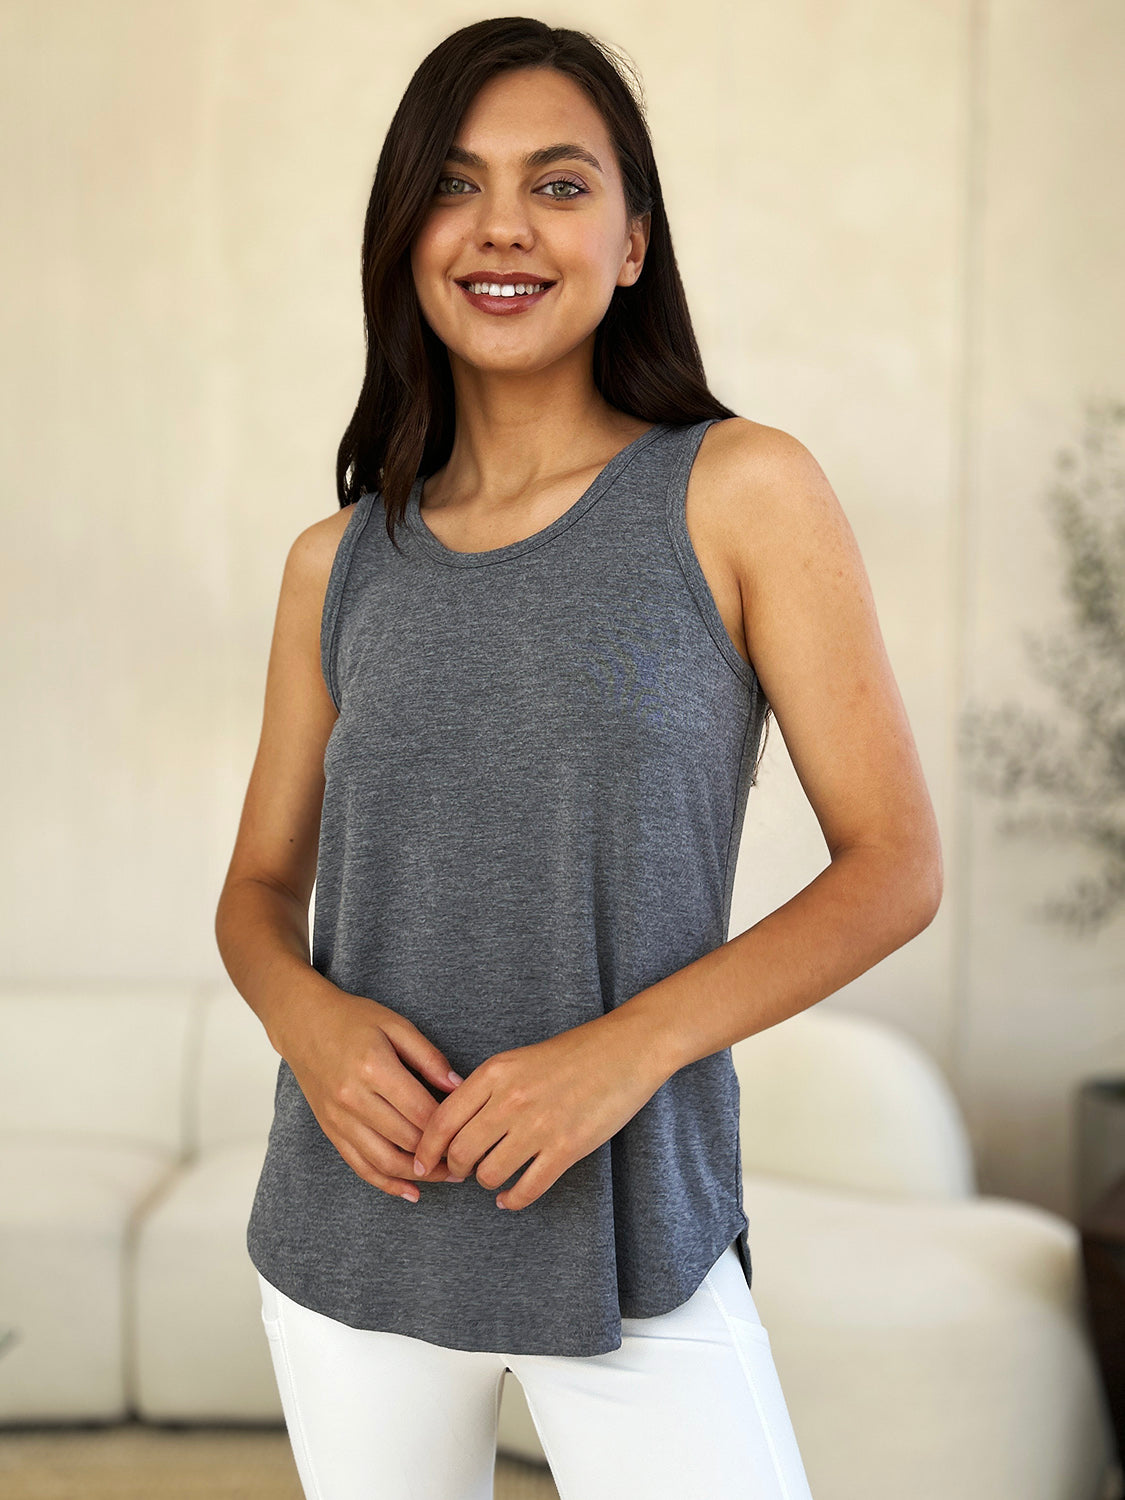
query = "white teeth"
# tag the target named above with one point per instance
(496, 289)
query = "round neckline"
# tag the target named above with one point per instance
(593, 491)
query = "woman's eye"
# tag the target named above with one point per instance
(565, 182)
(451, 192)
(448, 193)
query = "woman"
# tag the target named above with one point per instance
(514, 706)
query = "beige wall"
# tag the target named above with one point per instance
(900, 230)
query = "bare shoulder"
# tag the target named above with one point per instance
(766, 493)
(314, 548)
(758, 471)
(313, 552)
(741, 449)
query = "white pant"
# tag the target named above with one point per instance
(689, 1408)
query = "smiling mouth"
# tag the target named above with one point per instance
(508, 300)
(539, 285)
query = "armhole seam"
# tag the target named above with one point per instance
(334, 591)
(675, 515)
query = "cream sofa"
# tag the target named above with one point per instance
(931, 1342)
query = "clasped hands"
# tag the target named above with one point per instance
(549, 1104)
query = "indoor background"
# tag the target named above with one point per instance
(901, 229)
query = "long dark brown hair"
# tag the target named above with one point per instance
(646, 359)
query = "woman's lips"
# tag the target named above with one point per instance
(506, 305)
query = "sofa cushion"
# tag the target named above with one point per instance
(97, 1063)
(200, 1354)
(961, 1318)
(67, 1211)
(231, 1089)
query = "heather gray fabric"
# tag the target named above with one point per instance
(534, 798)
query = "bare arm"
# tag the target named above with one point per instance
(262, 919)
(813, 636)
(346, 1050)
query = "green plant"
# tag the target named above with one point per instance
(1072, 785)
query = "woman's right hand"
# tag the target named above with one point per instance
(348, 1060)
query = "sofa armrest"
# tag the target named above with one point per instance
(840, 1100)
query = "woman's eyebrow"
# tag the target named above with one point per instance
(564, 151)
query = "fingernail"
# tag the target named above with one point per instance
(419, 1169)
(454, 1179)
(455, 1078)
(410, 1194)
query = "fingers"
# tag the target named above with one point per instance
(415, 1048)
(380, 1113)
(387, 1097)
(530, 1185)
(377, 1141)
(378, 1161)
(373, 1111)
(502, 1163)
(449, 1121)
(398, 1104)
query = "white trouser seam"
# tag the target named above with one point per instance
(750, 1381)
(299, 1436)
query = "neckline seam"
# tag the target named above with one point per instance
(436, 549)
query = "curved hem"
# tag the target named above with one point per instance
(417, 1328)
(574, 1347)
(694, 1279)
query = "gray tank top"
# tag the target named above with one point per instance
(534, 796)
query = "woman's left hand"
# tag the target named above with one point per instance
(551, 1103)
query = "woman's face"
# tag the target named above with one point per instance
(563, 221)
